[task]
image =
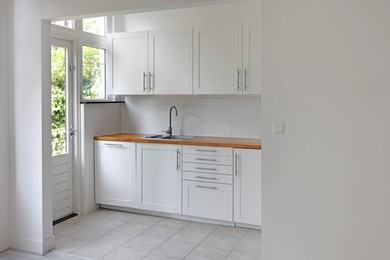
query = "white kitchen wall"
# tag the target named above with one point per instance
(213, 15)
(96, 119)
(326, 181)
(206, 116)
(4, 151)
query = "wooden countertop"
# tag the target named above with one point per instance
(247, 143)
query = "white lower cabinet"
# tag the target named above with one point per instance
(247, 186)
(115, 179)
(208, 200)
(159, 177)
(207, 182)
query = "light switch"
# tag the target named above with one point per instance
(278, 128)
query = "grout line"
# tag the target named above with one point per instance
(165, 239)
(202, 241)
(247, 230)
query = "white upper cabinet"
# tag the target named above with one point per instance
(218, 60)
(153, 62)
(129, 63)
(252, 60)
(170, 61)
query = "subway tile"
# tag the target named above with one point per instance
(216, 128)
(246, 129)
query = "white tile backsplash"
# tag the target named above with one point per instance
(209, 116)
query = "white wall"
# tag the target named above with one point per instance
(216, 116)
(96, 119)
(235, 13)
(4, 162)
(326, 180)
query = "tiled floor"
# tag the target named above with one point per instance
(112, 235)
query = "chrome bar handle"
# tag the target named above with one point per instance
(202, 150)
(144, 82)
(150, 82)
(204, 159)
(206, 178)
(115, 145)
(245, 85)
(205, 169)
(236, 165)
(177, 159)
(205, 187)
(238, 79)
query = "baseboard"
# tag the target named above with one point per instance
(88, 208)
(170, 215)
(33, 246)
(49, 244)
(4, 244)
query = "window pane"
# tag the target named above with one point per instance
(96, 25)
(58, 100)
(93, 73)
(65, 23)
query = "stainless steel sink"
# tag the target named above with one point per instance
(173, 137)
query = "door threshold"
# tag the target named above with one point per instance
(64, 218)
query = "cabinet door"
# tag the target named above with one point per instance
(252, 60)
(159, 177)
(247, 186)
(115, 174)
(129, 63)
(218, 60)
(170, 61)
(208, 200)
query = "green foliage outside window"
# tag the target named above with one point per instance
(58, 100)
(93, 73)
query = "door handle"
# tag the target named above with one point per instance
(205, 187)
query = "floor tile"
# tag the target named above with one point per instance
(251, 243)
(201, 227)
(208, 253)
(236, 255)
(110, 235)
(174, 249)
(187, 236)
(225, 237)
(173, 223)
(160, 232)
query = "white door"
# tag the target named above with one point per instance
(61, 131)
(129, 57)
(247, 186)
(159, 177)
(252, 60)
(218, 60)
(115, 179)
(170, 61)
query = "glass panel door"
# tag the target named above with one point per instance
(61, 128)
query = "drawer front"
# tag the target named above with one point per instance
(208, 150)
(208, 159)
(206, 177)
(208, 200)
(208, 168)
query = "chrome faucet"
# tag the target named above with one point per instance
(169, 131)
